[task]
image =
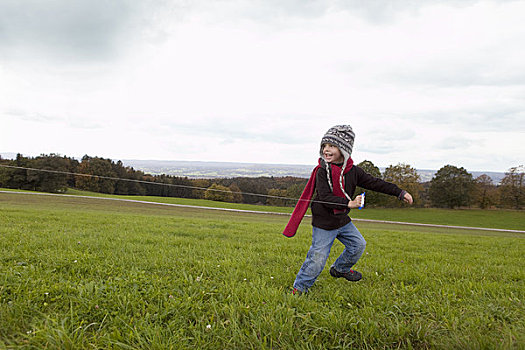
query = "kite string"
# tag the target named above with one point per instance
(164, 184)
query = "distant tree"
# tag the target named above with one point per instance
(18, 177)
(136, 188)
(370, 168)
(407, 178)
(451, 187)
(294, 191)
(50, 181)
(219, 193)
(98, 167)
(512, 188)
(181, 187)
(202, 184)
(275, 192)
(485, 194)
(5, 176)
(5, 173)
(163, 188)
(253, 185)
(424, 197)
(373, 199)
(236, 192)
(121, 172)
(150, 188)
(35, 179)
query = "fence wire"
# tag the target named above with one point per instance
(167, 184)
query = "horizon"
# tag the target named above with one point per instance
(12, 156)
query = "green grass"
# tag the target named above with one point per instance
(501, 219)
(81, 274)
(187, 201)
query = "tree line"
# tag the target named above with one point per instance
(451, 186)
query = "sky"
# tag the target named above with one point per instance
(424, 83)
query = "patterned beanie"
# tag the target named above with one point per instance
(343, 137)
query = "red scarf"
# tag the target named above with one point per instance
(302, 205)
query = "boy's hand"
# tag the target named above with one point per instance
(356, 203)
(408, 198)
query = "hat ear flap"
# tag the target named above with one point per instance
(346, 157)
(345, 154)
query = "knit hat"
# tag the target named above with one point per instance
(343, 137)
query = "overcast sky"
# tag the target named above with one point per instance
(426, 83)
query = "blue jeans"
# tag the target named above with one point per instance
(322, 241)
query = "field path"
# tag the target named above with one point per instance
(258, 211)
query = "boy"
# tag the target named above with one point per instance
(334, 181)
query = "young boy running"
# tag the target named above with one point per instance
(334, 182)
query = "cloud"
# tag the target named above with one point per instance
(456, 142)
(428, 44)
(282, 11)
(482, 116)
(249, 130)
(385, 135)
(53, 120)
(223, 80)
(64, 30)
(31, 116)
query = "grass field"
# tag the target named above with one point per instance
(80, 273)
(501, 219)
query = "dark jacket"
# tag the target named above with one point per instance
(323, 215)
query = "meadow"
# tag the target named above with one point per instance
(81, 273)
